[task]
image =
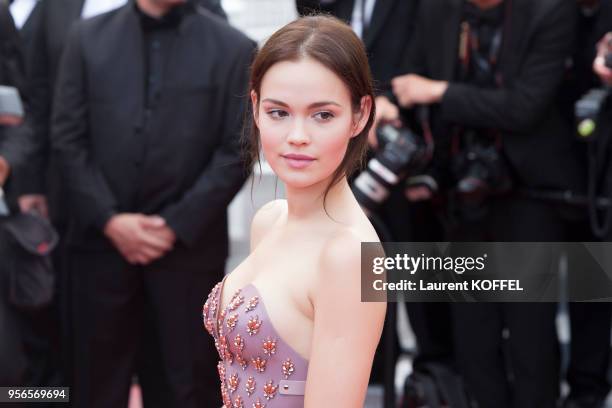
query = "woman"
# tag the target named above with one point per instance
(288, 322)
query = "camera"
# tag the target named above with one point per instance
(587, 111)
(401, 152)
(479, 171)
(608, 58)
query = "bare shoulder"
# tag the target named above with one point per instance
(264, 220)
(340, 257)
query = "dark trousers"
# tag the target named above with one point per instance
(521, 371)
(116, 305)
(432, 327)
(430, 322)
(31, 340)
(527, 376)
(590, 323)
(587, 373)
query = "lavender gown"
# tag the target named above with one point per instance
(257, 368)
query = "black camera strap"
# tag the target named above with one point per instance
(472, 56)
(470, 53)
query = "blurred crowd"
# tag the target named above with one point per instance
(121, 150)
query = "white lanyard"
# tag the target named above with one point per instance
(362, 15)
(94, 7)
(21, 10)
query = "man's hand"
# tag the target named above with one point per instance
(413, 90)
(5, 169)
(163, 232)
(10, 120)
(36, 203)
(604, 47)
(385, 112)
(141, 239)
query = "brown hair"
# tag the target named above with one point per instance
(333, 44)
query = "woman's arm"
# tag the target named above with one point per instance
(346, 331)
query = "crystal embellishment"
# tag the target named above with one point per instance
(259, 364)
(232, 383)
(270, 390)
(269, 346)
(239, 342)
(252, 304)
(259, 404)
(231, 321)
(250, 386)
(253, 325)
(288, 368)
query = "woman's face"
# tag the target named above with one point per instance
(305, 120)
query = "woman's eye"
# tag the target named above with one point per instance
(277, 114)
(324, 116)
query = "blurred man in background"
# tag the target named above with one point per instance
(46, 27)
(146, 124)
(590, 323)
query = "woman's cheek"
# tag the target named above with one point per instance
(272, 146)
(336, 143)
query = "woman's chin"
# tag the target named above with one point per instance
(299, 180)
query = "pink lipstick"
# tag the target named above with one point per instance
(298, 161)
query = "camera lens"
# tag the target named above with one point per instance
(609, 60)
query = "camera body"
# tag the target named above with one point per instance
(587, 111)
(401, 152)
(479, 170)
(608, 59)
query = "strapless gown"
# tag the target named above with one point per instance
(257, 368)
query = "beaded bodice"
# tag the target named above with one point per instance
(257, 368)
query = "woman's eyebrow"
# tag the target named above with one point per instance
(323, 103)
(312, 105)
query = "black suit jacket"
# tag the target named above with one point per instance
(538, 41)
(29, 27)
(53, 25)
(387, 37)
(185, 163)
(50, 29)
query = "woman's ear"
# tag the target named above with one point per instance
(361, 117)
(254, 105)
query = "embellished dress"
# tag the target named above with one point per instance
(257, 368)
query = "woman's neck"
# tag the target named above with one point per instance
(307, 204)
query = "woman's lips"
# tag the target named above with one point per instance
(298, 161)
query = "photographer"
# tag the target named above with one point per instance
(385, 26)
(491, 77)
(590, 323)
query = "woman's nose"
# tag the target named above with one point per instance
(298, 134)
